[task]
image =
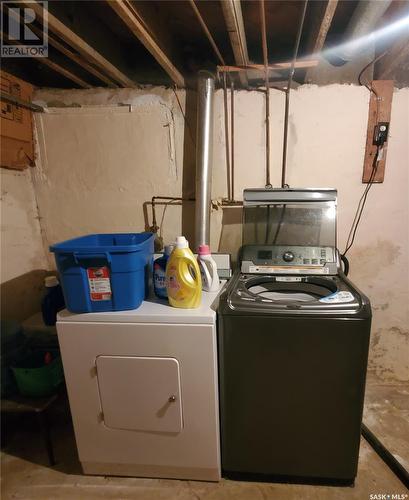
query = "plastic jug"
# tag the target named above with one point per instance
(183, 281)
(53, 300)
(208, 269)
(159, 273)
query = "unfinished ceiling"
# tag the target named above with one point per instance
(130, 43)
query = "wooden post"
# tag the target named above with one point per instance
(379, 111)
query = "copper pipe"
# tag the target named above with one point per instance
(266, 70)
(232, 138)
(304, 63)
(166, 199)
(287, 95)
(226, 137)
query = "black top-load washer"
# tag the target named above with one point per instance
(293, 345)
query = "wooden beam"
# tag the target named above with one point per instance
(233, 17)
(397, 55)
(64, 72)
(69, 53)
(321, 23)
(79, 60)
(59, 69)
(133, 19)
(322, 26)
(207, 31)
(80, 45)
(379, 111)
(276, 66)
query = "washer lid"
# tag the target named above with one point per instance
(292, 294)
(311, 289)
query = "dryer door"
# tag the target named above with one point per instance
(140, 393)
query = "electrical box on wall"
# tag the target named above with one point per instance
(17, 151)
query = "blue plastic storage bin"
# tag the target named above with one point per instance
(105, 272)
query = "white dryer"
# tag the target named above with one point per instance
(142, 387)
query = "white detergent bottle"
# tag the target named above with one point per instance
(208, 269)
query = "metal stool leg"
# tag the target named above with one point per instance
(45, 430)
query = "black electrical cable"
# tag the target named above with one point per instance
(268, 223)
(184, 116)
(396, 467)
(375, 60)
(345, 261)
(361, 204)
(362, 201)
(280, 222)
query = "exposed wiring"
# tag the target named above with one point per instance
(179, 202)
(362, 201)
(166, 200)
(174, 88)
(374, 61)
(345, 261)
(367, 85)
(280, 223)
(377, 157)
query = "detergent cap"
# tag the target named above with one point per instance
(51, 281)
(204, 250)
(181, 242)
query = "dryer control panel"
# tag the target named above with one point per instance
(267, 259)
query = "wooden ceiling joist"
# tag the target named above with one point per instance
(207, 32)
(139, 27)
(80, 61)
(233, 17)
(64, 72)
(321, 24)
(395, 57)
(46, 61)
(75, 57)
(81, 46)
(310, 63)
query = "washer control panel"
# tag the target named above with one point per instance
(290, 255)
(270, 259)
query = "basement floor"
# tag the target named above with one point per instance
(26, 475)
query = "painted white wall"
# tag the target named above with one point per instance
(22, 248)
(99, 163)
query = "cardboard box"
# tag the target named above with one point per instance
(17, 148)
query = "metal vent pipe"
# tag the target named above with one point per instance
(204, 154)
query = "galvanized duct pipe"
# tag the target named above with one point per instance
(204, 150)
(362, 23)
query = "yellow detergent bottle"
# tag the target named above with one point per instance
(183, 280)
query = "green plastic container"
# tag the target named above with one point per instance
(34, 378)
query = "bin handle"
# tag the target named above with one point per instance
(84, 256)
